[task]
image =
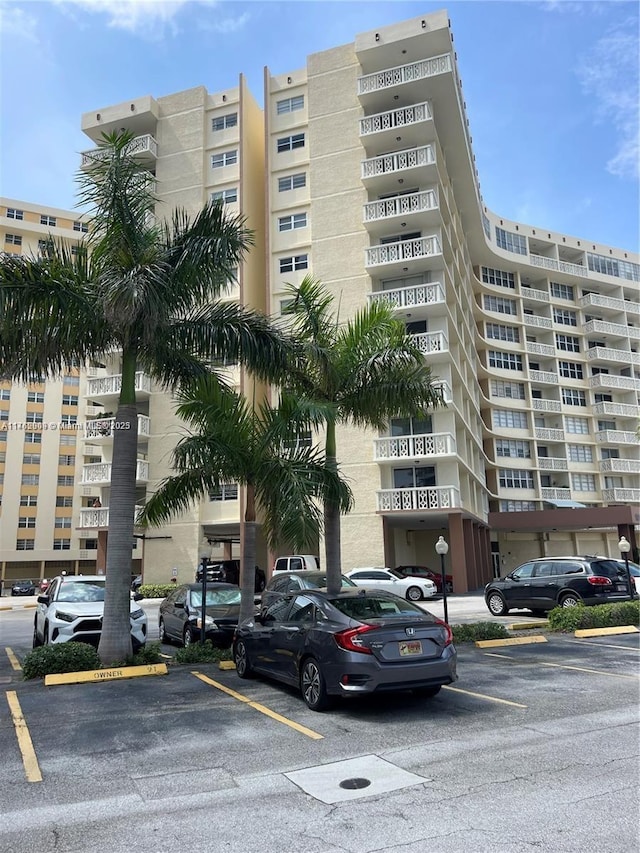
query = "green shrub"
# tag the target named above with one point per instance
(478, 631)
(569, 619)
(199, 653)
(156, 590)
(149, 654)
(60, 657)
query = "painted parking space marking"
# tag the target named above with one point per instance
(29, 759)
(13, 660)
(561, 666)
(258, 707)
(608, 646)
(483, 696)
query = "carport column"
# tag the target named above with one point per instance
(487, 564)
(477, 556)
(457, 558)
(101, 554)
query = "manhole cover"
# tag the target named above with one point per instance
(352, 784)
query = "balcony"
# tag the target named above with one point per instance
(402, 75)
(100, 430)
(616, 436)
(431, 342)
(143, 148)
(555, 494)
(540, 349)
(558, 266)
(99, 473)
(109, 386)
(543, 376)
(618, 356)
(608, 380)
(427, 497)
(418, 296)
(553, 463)
(623, 410)
(533, 320)
(618, 330)
(545, 434)
(620, 466)
(413, 447)
(382, 129)
(381, 215)
(403, 256)
(620, 496)
(541, 405)
(596, 300)
(536, 295)
(417, 162)
(92, 518)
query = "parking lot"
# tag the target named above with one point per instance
(535, 747)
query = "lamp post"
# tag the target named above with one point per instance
(442, 548)
(625, 546)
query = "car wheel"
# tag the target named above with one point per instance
(312, 685)
(570, 600)
(164, 637)
(426, 692)
(241, 657)
(36, 640)
(414, 593)
(497, 604)
(188, 637)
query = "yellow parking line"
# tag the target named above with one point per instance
(29, 760)
(258, 707)
(565, 666)
(15, 663)
(483, 696)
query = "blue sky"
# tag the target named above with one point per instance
(551, 88)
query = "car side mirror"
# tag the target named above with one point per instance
(43, 599)
(137, 596)
(179, 605)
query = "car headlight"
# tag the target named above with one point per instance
(66, 617)
(137, 614)
(208, 622)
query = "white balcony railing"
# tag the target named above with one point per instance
(391, 77)
(621, 496)
(555, 494)
(598, 301)
(401, 205)
(543, 376)
(91, 517)
(140, 145)
(621, 466)
(428, 497)
(608, 380)
(430, 342)
(540, 349)
(104, 428)
(607, 354)
(538, 322)
(113, 383)
(616, 436)
(558, 266)
(546, 434)
(414, 446)
(553, 463)
(100, 472)
(394, 119)
(411, 297)
(403, 250)
(398, 162)
(537, 295)
(624, 410)
(546, 405)
(620, 330)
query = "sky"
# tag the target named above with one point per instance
(551, 88)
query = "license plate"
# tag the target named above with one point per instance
(622, 587)
(410, 647)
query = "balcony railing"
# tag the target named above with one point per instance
(608, 380)
(537, 295)
(607, 354)
(394, 119)
(141, 145)
(401, 205)
(391, 77)
(621, 466)
(540, 349)
(411, 297)
(624, 410)
(100, 472)
(598, 301)
(543, 376)
(403, 250)
(430, 342)
(398, 162)
(621, 496)
(616, 329)
(546, 405)
(428, 497)
(553, 463)
(555, 494)
(616, 436)
(546, 434)
(558, 266)
(103, 428)
(91, 517)
(538, 322)
(113, 383)
(414, 446)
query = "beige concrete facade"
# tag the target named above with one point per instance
(360, 171)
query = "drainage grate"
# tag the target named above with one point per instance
(353, 784)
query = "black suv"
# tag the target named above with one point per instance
(549, 582)
(228, 571)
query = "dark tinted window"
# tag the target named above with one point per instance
(372, 606)
(278, 611)
(302, 610)
(569, 567)
(524, 571)
(608, 568)
(295, 564)
(292, 585)
(545, 569)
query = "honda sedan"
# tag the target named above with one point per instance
(352, 643)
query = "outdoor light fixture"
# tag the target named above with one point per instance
(442, 548)
(624, 547)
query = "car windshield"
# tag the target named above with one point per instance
(215, 596)
(374, 607)
(81, 591)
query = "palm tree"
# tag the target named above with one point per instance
(149, 291)
(259, 448)
(364, 372)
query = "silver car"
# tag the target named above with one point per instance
(356, 642)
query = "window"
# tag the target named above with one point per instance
(68, 420)
(570, 369)
(67, 440)
(5, 393)
(13, 239)
(224, 122)
(572, 397)
(47, 220)
(561, 291)
(411, 426)
(517, 506)
(34, 417)
(229, 196)
(290, 105)
(82, 227)
(604, 426)
(583, 482)
(63, 522)
(71, 380)
(288, 143)
(610, 453)
(75, 250)
(510, 241)
(226, 492)
(565, 316)
(33, 438)
(414, 478)
(297, 262)
(502, 388)
(65, 480)
(4, 414)
(610, 266)
(514, 479)
(502, 333)
(513, 449)
(66, 460)
(567, 343)
(45, 247)
(89, 544)
(511, 420)
(498, 277)
(30, 479)
(14, 213)
(62, 544)
(576, 426)
(225, 158)
(69, 400)
(25, 545)
(500, 305)
(603, 398)
(28, 500)
(31, 459)
(64, 500)
(505, 360)
(292, 182)
(35, 396)
(27, 521)
(291, 222)
(579, 453)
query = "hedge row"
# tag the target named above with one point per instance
(156, 590)
(78, 657)
(569, 619)
(478, 631)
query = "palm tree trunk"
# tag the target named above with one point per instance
(332, 519)
(248, 553)
(115, 641)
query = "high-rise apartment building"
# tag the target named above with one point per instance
(360, 171)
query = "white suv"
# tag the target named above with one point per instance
(72, 609)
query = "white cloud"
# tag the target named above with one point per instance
(142, 17)
(609, 73)
(227, 25)
(17, 22)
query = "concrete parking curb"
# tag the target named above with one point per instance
(607, 632)
(226, 664)
(523, 626)
(510, 641)
(96, 675)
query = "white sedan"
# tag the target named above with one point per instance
(375, 577)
